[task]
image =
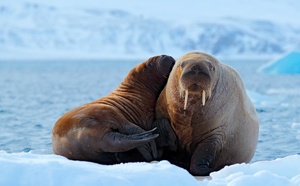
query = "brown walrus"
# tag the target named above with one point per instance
(215, 122)
(113, 129)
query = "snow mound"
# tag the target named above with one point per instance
(288, 64)
(284, 171)
(38, 169)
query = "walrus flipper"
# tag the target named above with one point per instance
(143, 142)
(203, 156)
(167, 137)
(117, 142)
(143, 135)
(149, 150)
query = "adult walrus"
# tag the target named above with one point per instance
(215, 122)
(112, 129)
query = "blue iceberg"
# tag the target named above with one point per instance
(288, 64)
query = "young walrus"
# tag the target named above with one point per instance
(215, 122)
(118, 127)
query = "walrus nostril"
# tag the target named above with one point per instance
(197, 68)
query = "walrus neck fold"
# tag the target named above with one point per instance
(134, 106)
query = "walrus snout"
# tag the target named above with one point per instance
(199, 69)
(165, 65)
(196, 77)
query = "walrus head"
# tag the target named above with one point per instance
(195, 73)
(162, 64)
(158, 68)
(165, 65)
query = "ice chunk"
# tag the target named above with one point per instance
(288, 64)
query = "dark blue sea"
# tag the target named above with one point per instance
(34, 94)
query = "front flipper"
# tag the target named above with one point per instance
(130, 136)
(118, 142)
(149, 150)
(167, 137)
(204, 156)
(144, 135)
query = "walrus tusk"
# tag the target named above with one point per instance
(186, 98)
(203, 97)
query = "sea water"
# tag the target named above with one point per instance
(34, 94)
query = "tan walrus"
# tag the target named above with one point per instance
(113, 129)
(215, 122)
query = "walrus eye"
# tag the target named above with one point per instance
(182, 64)
(149, 64)
(211, 68)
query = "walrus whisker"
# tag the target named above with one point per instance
(203, 97)
(186, 98)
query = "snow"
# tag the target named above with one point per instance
(284, 171)
(48, 169)
(180, 11)
(288, 64)
(65, 29)
(36, 169)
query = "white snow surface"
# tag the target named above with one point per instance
(48, 169)
(187, 11)
(134, 29)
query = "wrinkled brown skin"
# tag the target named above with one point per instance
(118, 127)
(222, 132)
